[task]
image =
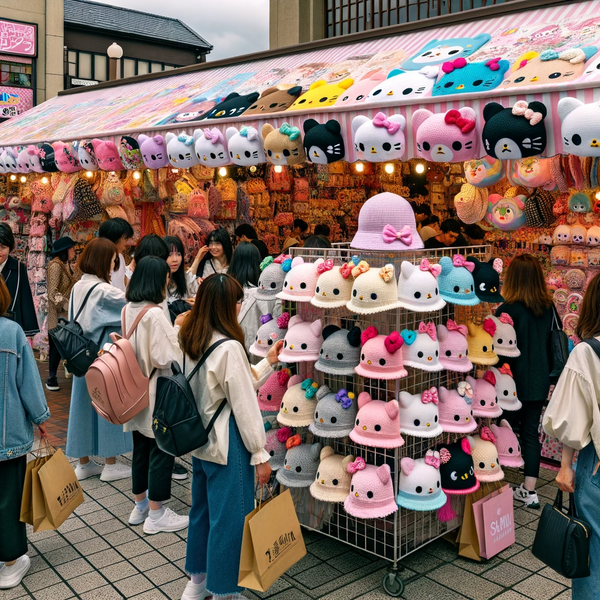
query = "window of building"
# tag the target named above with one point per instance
(15, 74)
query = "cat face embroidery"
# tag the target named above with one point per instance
(233, 105)
(211, 147)
(181, 151)
(275, 99)
(245, 146)
(381, 139)
(461, 77)
(323, 144)
(283, 146)
(401, 85)
(321, 94)
(437, 52)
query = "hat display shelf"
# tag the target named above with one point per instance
(395, 536)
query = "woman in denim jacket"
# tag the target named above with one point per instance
(22, 402)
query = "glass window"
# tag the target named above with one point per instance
(72, 56)
(143, 67)
(156, 67)
(100, 67)
(169, 67)
(128, 67)
(85, 65)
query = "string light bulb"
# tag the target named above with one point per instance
(23, 179)
(278, 168)
(13, 177)
(253, 169)
(45, 180)
(597, 195)
(420, 168)
(174, 170)
(359, 167)
(222, 171)
(89, 174)
(389, 168)
(137, 175)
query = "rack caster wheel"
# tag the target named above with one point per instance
(393, 584)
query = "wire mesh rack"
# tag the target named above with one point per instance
(398, 535)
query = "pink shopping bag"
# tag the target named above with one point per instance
(495, 523)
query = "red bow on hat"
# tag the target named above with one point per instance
(506, 319)
(454, 326)
(435, 270)
(389, 235)
(429, 329)
(490, 377)
(430, 395)
(324, 266)
(381, 120)
(281, 258)
(457, 63)
(505, 369)
(460, 261)
(453, 117)
(346, 270)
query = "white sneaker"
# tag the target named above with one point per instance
(68, 374)
(115, 472)
(137, 516)
(195, 591)
(520, 494)
(90, 469)
(11, 577)
(169, 522)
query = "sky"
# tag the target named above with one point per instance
(233, 27)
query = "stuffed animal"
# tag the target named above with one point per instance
(592, 238)
(515, 132)
(181, 151)
(401, 85)
(359, 91)
(461, 77)
(47, 158)
(381, 139)
(579, 202)
(484, 172)
(86, 155)
(562, 235)
(507, 213)
(323, 144)
(65, 158)
(23, 165)
(446, 137)
(533, 172)
(130, 154)
(580, 127)
(578, 234)
(321, 94)
(245, 146)
(107, 155)
(9, 160)
(233, 105)
(283, 146)
(211, 147)
(154, 153)
(275, 99)
(437, 52)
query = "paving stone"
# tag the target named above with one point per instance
(40, 580)
(114, 499)
(101, 492)
(37, 563)
(356, 588)
(59, 591)
(316, 576)
(48, 544)
(306, 562)
(133, 585)
(291, 594)
(426, 589)
(527, 560)
(135, 548)
(91, 546)
(174, 589)
(71, 524)
(88, 581)
(474, 566)
(539, 588)
(511, 595)
(279, 586)
(327, 548)
(80, 535)
(96, 517)
(89, 506)
(524, 516)
(421, 562)
(468, 584)
(148, 561)
(159, 540)
(116, 538)
(104, 558)
(154, 594)
(524, 536)
(164, 574)
(74, 568)
(118, 571)
(14, 593)
(349, 561)
(106, 592)
(566, 595)
(108, 526)
(62, 555)
(552, 574)
(441, 549)
(506, 574)
(174, 551)
(510, 551)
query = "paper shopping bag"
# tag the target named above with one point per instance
(468, 542)
(494, 520)
(40, 522)
(62, 492)
(27, 498)
(271, 544)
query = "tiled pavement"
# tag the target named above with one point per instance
(95, 555)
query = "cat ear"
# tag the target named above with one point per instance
(384, 474)
(322, 392)
(297, 261)
(327, 331)
(443, 393)
(295, 320)
(265, 131)
(406, 399)
(316, 328)
(490, 110)
(442, 332)
(505, 423)
(407, 465)
(347, 460)
(392, 409)
(309, 124)
(327, 451)
(294, 380)
(363, 399)
(406, 269)
(315, 451)
(354, 337)
(467, 444)
(231, 131)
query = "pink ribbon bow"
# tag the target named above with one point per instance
(487, 436)
(389, 235)
(521, 109)
(435, 270)
(433, 459)
(381, 120)
(460, 261)
(281, 258)
(505, 369)
(454, 326)
(453, 117)
(457, 63)
(386, 273)
(490, 377)
(489, 326)
(358, 465)
(429, 329)
(324, 266)
(445, 455)
(506, 319)
(213, 135)
(430, 395)
(346, 270)
(492, 64)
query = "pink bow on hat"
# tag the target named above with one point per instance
(433, 459)
(489, 326)
(281, 258)
(521, 109)
(487, 436)
(492, 64)
(358, 465)
(505, 369)
(430, 395)
(389, 235)
(453, 117)
(324, 266)
(346, 270)
(458, 260)
(453, 326)
(457, 63)
(425, 265)
(381, 120)
(506, 319)
(386, 273)
(445, 455)
(429, 329)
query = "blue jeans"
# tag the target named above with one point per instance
(587, 500)
(222, 496)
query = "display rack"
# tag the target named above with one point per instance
(398, 535)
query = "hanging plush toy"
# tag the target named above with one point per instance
(47, 161)
(461, 77)
(507, 213)
(65, 158)
(321, 94)
(245, 146)
(484, 172)
(323, 144)
(580, 127)
(358, 92)
(86, 155)
(35, 162)
(233, 105)
(381, 139)
(533, 172)
(23, 165)
(211, 147)
(107, 155)
(154, 152)
(579, 202)
(181, 151)
(401, 85)
(283, 146)
(129, 152)
(275, 99)
(9, 160)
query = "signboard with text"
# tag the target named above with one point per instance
(18, 38)
(14, 101)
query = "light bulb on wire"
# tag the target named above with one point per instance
(89, 174)
(13, 177)
(278, 168)
(253, 169)
(389, 168)
(359, 167)
(45, 180)
(137, 175)
(222, 171)
(23, 179)
(420, 168)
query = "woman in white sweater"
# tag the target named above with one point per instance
(223, 481)
(156, 347)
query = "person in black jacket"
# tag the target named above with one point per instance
(14, 272)
(528, 301)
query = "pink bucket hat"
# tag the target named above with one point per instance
(299, 401)
(334, 285)
(481, 343)
(381, 356)
(419, 415)
(456, 415)
(299, 284)
(332, 483)
(420, 486)
(507, 444)
(454, 350)
(374, 290)
(377, 423)
(302, 341)
(418, 288)
(271, 331)
(371, 491)
(386, 222)
(506, 388)
(505, 338)
(485, 400)
(421, 348)
(485, 457)
(271, 392)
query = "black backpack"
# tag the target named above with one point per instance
(78, 351)
(178, 427)
(559, 347)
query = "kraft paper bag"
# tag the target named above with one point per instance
(40, 521)
(468, 542)
(494, 520)
(272, 543)
(27, 498)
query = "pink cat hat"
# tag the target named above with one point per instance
(302, 341)
(485, 400)
(455, 411)
(507, 444)
(371, 491)
(300, 282)
(377, 423)
(381, 356)
(454, 349)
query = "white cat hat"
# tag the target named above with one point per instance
(418, 288)
(419, 415)
(245, 146)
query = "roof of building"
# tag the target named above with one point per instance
(96, 15)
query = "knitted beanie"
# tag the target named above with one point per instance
(334, 285)
(271, 278)
(332, 483)
(271, 331)
(507, 444)
(454, 351)
(505, 336)
(456, 468)
(299, 401)
(340, 351)
(271, 392)
(418, 288)
(335, 415)
(471, 203)
(300, 282)
(485, 457)
(381, 356)
(456, 281)
(419, 415)
(377, 423)
(421, 348)
(386, 222)
(506, 388)
(485, 399)
(275, 446)
(481, 343)
(371, 491)
(456, 415)
(374, 290)
(487, 279)
(302, 341)
(420, 486)
(300, 465)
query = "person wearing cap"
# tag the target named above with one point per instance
(60, 280)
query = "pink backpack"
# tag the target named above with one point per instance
(118, 388)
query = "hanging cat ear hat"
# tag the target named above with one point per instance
(300, 282)
(377, 423)
(332, 482)
(273, 271)
(487, 279)
(335, 415)
(302, 341)
(275, 446)
(271, 393)
(506, 388)
(300, 464)
(381, 356)
(507, 444)
(299, 402)
(454, 349)
(340, 352)
(374, 290)
(485, 457)
(455, 408)
(456, 281)
(420, 486)
(485, 399)
(505, 336)
(421, 348)
(371, 491)
(481, 343)
(334, 285)
(418, 287)
(269, 333)
(419, 415)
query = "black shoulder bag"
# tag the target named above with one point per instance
(559, 344)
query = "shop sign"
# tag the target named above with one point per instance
(14, 101)
(18, 38)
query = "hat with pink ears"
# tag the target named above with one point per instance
(65, 158)
(271, 392)
(485, 457)
(107, 155)
(454, 349)
(485, 399)
(377, 423)
(300, 283)
(371, 491)
(506, 388)
(276, 446)
(381, 356)
(302, 341)
(271, 331)
(386, 222)
(507, 444)
(421, 348)
(454, 406)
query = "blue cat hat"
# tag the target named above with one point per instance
(456, 281)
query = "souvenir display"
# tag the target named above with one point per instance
(380, 139)
(323, 144)
(400, 85)
(211, 147)
(321, 94)
(275, 99)
(180, 150)
(332, 482)
(377, 423)
(420, 486)
(245, 146)
(283, 146)
(371, 491)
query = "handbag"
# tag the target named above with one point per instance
(562, 540)
(559, 344)
(178, 307)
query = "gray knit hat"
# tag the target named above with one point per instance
(271, 331)
(340, 352)
(335, 415)
(300, 465)
(271, 279)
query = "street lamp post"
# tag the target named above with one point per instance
(115, 52)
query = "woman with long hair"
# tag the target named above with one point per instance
(223, 481)
(215, 257)
(528, 302)
(573, 416)
(182, 286)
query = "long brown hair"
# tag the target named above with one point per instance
(214, 311)
(524, 282)
(4, 297)
(588, 324)
(96, 258)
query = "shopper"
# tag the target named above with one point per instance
(573, 416)
(14, 273)
(317, 241)
(60, 280)
(216, 255)
(182, 286)
(450, 236)
(422, 213)
(529, 303)
(246, 233)
(119, 232)
(474, 234)
(430, 228)
(295, 236)
(87, 433)
(322, 229)
(155, 344)
(223, 481)
(22, 402)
